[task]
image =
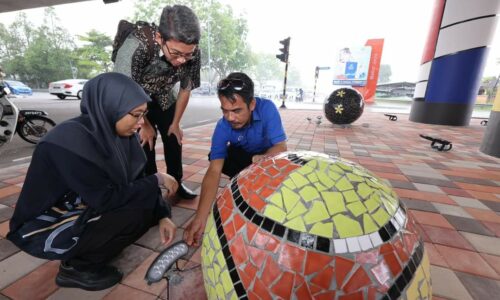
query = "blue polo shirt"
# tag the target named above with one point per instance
(262, 133)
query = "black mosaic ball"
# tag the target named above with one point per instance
(344, 106)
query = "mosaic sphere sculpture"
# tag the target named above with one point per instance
(344, 106)
(304, 225)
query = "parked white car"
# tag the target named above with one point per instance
(67, 88)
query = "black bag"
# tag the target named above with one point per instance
(125, 28)
(54, 233)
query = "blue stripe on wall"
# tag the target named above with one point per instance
(455, 78)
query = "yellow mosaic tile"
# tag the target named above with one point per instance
(297, 224)
(276, 200)
(369, 225)
(317, 213)
(290, 184)
(274, 213)
(334, 175)
(304, 170)
(227, 283)
(364, 190)
(290, 198)
(347, 227)
(334, 202)
(373, 202)
(325, 180)
(336, 169)
(313, 177)
(323, 229)
(312, 163)
(351, 196)
(309, 193)
(320, 187)
(381, 216)
(298, 179)
(346, 166)
(298, 210)
(390, 204)
(323, 165)
(343, 185)
(354, 178)
(356, 208)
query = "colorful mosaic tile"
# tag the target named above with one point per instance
(329, 229)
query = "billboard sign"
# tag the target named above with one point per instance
(351, 67)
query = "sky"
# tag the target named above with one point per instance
(318, 29)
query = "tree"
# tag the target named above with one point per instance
(265, 67)
(384, 74)
(94, 56)
(221, 29)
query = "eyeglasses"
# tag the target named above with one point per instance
(176, 54)
(138, 115)
(235, 84)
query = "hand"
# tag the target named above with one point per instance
(167, 230)
(194, 231)
(169, 183)
(176, 130)
(147, 135)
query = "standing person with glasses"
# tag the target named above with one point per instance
(250, 129)
(167, 76)
(85, 197)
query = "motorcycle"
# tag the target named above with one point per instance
(30, 125)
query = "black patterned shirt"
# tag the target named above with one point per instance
(155, 74)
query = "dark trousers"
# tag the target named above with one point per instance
(161, 121)
(237, 159)
(105, 238)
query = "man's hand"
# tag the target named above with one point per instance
(167, 230)
(169, 183)
(176, 130)
(147, 134)
(257, 158)
(193, 234)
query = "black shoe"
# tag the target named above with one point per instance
(105, 278)
(185, 193)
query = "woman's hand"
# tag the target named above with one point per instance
(167, 230)
(169, 183)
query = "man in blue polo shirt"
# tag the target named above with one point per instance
(250, 130)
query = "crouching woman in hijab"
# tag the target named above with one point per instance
(85, 197)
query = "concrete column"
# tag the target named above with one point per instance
(453, 61)
(491, 139)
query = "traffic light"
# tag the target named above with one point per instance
(284, 51)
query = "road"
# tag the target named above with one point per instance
(201, 110)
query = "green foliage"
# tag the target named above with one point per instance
(94, 56)
(223, 32)
(384, 74)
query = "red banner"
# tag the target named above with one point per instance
(368, 91)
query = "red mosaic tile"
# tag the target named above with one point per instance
(314, 289)
(303, 292)
(298, 281)
(393, 263)
(238, 222)
(289, 169)
(372, 293)
(251, 230)
(386, 248)
(266, 192)
(238, 250)
(316, 261)
(325, 296)
(257, 203)
(260, 289)
(251, 270)
(258, 256)
(252, 296)
(272, 244)
(324, 278)
(268, 164)
(260, 182)
(370, 257)
(292, 257)
(275, 183)
(343, 267)
(400, 250)
(225, 214)
(260, 240)
(229, 230)
(245, 279)
(244, 192)
(353, 296)
(358, 280)
(273, 171)
(271, 271)
(281, 163)
(283, 288)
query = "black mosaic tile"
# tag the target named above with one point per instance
(279, 230)
(240, 290)
(391, 230)
(257, 220)
(323, 244)
(293, 236)
(394, 293)
(268, 224)
(250, 213)
(384, 235)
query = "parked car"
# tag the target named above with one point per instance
(67, 88)
(18, 88)
(203, 89)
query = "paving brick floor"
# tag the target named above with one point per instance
(454, 197)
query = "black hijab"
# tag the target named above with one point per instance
(106, 99)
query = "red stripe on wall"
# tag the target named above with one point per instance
(430, 45)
